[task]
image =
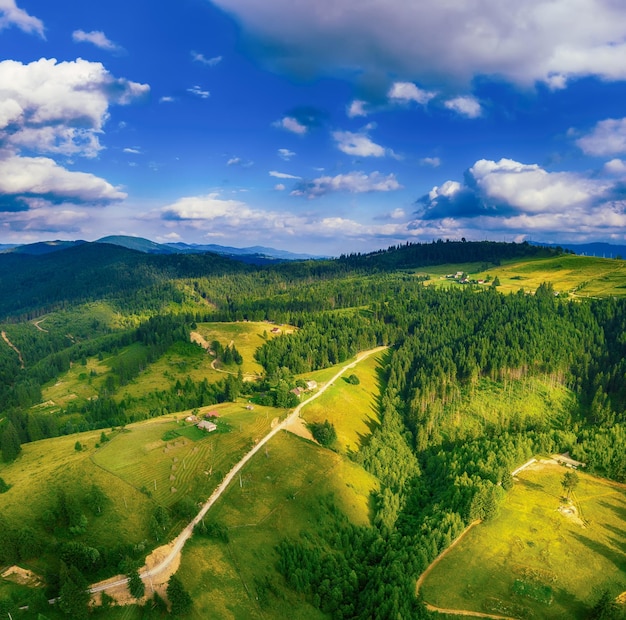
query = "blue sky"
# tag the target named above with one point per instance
(325, 127)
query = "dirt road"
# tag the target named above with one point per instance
(175, 547)
(19, 354)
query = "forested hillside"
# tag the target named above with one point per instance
(473, 383)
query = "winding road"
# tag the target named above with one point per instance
(19, 353)
(179, 542)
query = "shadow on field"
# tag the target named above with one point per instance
(376, 408)
(619, 559)
(619, 511)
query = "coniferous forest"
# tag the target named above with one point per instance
(437, 470)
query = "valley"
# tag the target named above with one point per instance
(415, 395)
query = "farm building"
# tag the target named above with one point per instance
(207, 426)
(311, 385)
(191, 418)
(211, 414)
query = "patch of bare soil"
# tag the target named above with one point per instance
(157, 584)
(298, 426)
(569, 511)
(199, 339)
(274, 423)
(22, 576)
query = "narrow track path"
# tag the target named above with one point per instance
(19, 353)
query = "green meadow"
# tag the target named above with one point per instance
(247, 336)
(534, 561)
(350, 408)
(571, 275)
(48, 465)
(281, 493)
(182, 360)
(168, 458)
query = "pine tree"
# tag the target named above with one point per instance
(10, 444)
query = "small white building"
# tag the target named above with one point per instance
(205, 425)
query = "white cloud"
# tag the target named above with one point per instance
(132, 150)
(397, 214)
(607, 138)
(233, 161)
(198, 92)
(405, 92)
(279, 187)
(62, 106)
(285, 154)
(11, 15)
(282, 175)
(202, 59)
(358, 144)
(435, 162)
(429, 41)
(97, 38)
(166, 99)
(291, 124)
(357, 108)
(353, 182)
(515, 198)
(465, 106)
(615, 167)
(32, 176)
(532, 189)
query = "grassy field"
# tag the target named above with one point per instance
(533, 561)
(281, 495)
(533, 402)
(182, 360)
(47, 465)
(247, 337)
(167, 453)
(576, 276)
(350, 408)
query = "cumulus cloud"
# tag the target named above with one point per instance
(524, 198)
(282, 175)
(435, 162)
(359, 144)
(301, 119)
(24, 177)
(405, 92)
(285, 154)
(238, 161)
(615, 167)
(11, 15)
(199, 92)
(353, 182)
(357, 108)
(432, 40)
(52, 107)
(203, 60)
(213, 216)
(167, 99)
(279, 187)
(608, 137)
(97, 38)
(132, 150)
(291, 124)
(465, 106)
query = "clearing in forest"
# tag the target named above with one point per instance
(538, 559)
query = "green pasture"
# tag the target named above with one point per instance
(168, 458)
(247, 336)
(533, 561)
(352, 409)
(281, 493)
(48, 465)
(576, 276)
(531, 402)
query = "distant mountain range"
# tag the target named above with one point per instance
(601, 250)
(256, 255)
